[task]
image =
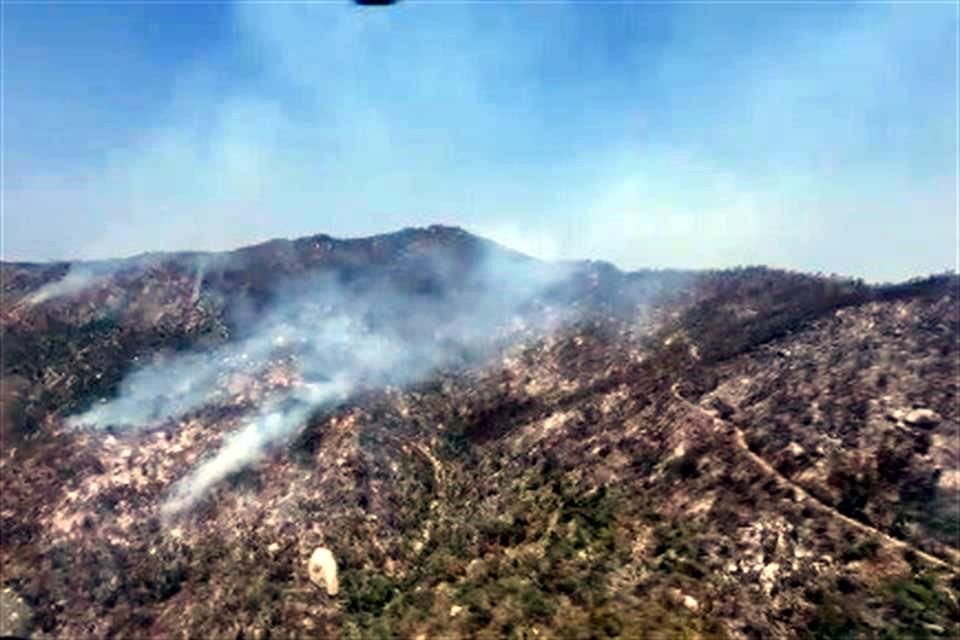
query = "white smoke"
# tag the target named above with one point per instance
(275, 423)
(198, 280)
(338, 341)
(76, 280)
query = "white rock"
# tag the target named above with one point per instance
(949, 480)
(691, 603)
(768, 576)
(923, 418)
(795, 450)
(322, 569)
(455, 609)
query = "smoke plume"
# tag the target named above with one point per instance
(76, 280)
(337, 340)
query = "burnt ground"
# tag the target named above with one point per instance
(743, 461)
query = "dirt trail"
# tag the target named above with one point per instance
(740, 441)
(439, 477)
(408, 446)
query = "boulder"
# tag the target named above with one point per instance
(322, 569)
(922, 418)
(683, 599)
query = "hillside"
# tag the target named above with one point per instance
(520, 449)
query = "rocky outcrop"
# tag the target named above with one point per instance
(322, 569)
(922, 418)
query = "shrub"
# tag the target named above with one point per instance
(861, 551)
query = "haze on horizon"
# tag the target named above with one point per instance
(807, 136)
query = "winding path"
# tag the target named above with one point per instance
(740, 441)
(406, 446)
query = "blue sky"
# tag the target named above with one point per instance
(808, 136)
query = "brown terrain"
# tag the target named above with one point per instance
(749, 453)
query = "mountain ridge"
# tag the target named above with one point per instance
(583, 476)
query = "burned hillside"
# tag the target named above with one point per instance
(746, 453)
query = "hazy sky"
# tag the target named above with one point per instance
(810, 136)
